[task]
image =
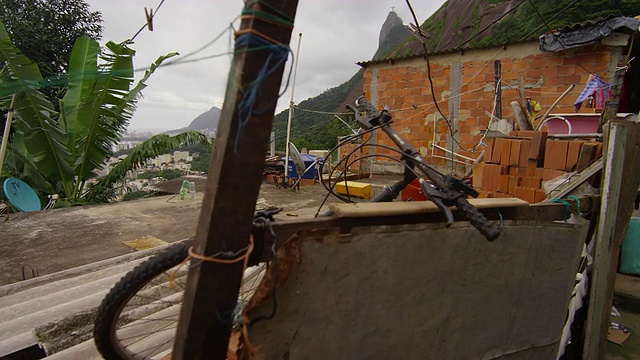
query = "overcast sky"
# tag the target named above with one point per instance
(336, 35)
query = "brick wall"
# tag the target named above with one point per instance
(404, 87)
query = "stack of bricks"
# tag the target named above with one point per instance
(517, 166)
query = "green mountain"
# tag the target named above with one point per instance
(319, 130)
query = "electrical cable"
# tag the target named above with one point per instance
(348, 200)
(558, 39)
(550, 19)
(340, 143)
(433, 95)
(491, 24)
(321, 112)
(182, 59)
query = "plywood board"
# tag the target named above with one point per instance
(421, 292)
(413, 207)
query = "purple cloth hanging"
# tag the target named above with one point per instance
(596, 87)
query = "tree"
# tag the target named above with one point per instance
(58, 152)
(45, 31)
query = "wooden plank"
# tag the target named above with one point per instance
(620, 181)
(545, 212)
(576, 181)
(523, 103)
(613, 104)
(413, 207)
(339, 293)
(7, 131)
(227, 210)
(521, 118)
(497, 67)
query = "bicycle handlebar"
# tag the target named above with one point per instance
(449, 191)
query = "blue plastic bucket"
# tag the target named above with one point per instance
(630, 259)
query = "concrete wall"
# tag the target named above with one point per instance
(419, 292)
(464, 88)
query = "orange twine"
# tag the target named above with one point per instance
(257, 33)
(193, 255)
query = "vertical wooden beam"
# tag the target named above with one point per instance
(620, 181)
(497, 67)
(234, 182)
(611, 107)
(521, 90)
(7, 131)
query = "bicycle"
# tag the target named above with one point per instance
(138, 317)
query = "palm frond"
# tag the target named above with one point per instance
(149, 149)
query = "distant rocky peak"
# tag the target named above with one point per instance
(392, 20)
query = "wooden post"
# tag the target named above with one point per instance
(7, 130)
(611, 108)
(521, 116)
(620, 181)
(497, 67)
(521, 90)
(234, 182)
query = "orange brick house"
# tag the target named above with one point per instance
(464, 86)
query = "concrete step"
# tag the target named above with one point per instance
(46, 301)
(57, 311)
(84, 351)
(61, 286)
(68, 277)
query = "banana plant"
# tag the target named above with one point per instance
(60, 152)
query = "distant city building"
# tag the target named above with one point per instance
(182, 166)
(126, 144)
(162, 159)
(180, 156)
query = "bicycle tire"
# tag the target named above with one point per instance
(131, 323)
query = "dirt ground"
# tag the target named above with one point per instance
(49, 241)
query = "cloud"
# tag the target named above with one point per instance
(336, 35)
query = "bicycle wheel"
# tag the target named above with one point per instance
(139, 316)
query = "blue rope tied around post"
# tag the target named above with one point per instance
(567, 207)
(277, 56)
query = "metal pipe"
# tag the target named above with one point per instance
(575, 136)
(565, 93)
(293, 89)
(446, 158)
(469, 171)
(454, 153)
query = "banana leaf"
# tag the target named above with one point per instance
(35, 117)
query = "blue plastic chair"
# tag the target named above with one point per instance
(21, 195)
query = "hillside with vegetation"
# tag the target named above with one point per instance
(465, 24)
